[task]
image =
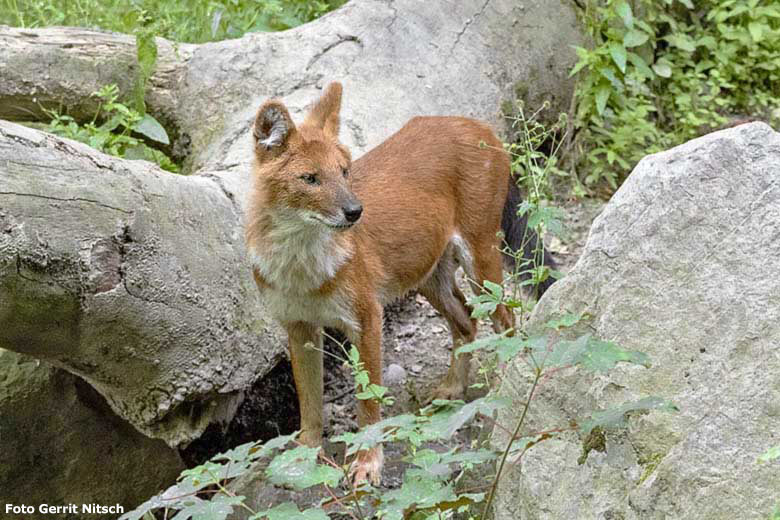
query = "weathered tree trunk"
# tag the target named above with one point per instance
(131, 277)
(135, 279)
(60, 67)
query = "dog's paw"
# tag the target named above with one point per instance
(449, 391)
(367, 467)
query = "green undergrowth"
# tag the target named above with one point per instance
(192, 21)
(116, 129)
(661, 72)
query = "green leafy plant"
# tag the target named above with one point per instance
(194, 21)
(534, 152)
(114, 135)
(662, 72)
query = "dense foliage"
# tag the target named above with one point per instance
(661, 72)
(193, 21)
(111, 130)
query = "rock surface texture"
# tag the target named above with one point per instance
(682, 264)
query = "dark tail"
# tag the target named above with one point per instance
(518, 236)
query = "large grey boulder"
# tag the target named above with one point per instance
(682, 264)
(395, 58)
(62, 444)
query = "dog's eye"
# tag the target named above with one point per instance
(310, 178)
(345, 172)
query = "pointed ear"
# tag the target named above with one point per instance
(325, 113)
(273, 128)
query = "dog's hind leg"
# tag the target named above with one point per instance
(442, 291)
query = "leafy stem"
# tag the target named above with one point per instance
(537, 377)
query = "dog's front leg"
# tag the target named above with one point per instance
(368, 465)
(305, 342)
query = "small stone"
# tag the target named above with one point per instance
(416, 369)
(407, 331)
(394, 375)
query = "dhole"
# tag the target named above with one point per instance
(332, 240)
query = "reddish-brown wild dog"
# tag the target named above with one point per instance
(332, 241)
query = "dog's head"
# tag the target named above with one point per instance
(305, 170)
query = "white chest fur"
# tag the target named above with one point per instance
(331, 311)
(295, 262)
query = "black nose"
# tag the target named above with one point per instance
(352, 212)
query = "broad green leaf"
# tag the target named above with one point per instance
(414, 494)
(663, 69)
(623, 9)
(578, 67)
(708, 42)
(496, 290)
(562, 353)
(483, 305)
(610, 75)
(470, 457)
(439, 465)
(771, 454)
(602, 96)
(681, 41)
(587, 352)
(372, 391)
(370, 436)
(245, 452)
(604, 355)
(277, 443)
(757, 31)
(152, 129)
(550, 216)
(290, 511)
(617, 417)
(218, 508)
(634, 38)
(429, 464)
(567, 320)
(687, 3)
(298, 469)
(444, 423)
(618, 53)
(160, 501)
(507, 347)
(207, 474)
